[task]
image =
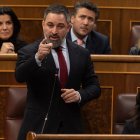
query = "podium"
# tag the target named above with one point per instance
(34, 136)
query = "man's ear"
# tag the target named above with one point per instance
(69, 26)
(72, 19)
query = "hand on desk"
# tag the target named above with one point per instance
(7, 47)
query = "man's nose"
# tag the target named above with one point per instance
(54, 30)
(86, 21)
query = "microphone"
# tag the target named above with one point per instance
(46, 117)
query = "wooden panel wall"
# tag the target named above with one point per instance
(117, 74)
(116, 19)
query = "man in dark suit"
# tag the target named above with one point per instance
(83, 21)
(53, 106)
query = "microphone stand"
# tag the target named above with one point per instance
(46, 117)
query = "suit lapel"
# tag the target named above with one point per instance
(50, 64)
(91, 43)
(69, 36)
(72, 58)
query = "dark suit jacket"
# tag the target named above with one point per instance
(134, 50)
(40, 84)
(129, 128)
(97, 43)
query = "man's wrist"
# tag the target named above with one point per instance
(79, 96)
(37, 60)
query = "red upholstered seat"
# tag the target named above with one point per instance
(15, 106)
(125, 104)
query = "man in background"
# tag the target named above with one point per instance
(83, 21)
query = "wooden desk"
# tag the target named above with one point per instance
(117, 74)
(33, 136)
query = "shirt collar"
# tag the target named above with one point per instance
(64, 44)
(74, 37)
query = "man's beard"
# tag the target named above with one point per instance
(56, 43)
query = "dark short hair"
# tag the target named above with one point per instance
(88, 5)
(57, 9)
(16, 22)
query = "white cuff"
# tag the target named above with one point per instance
(37, 60)
(80, 96)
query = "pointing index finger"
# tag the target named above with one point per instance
(44, 41)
